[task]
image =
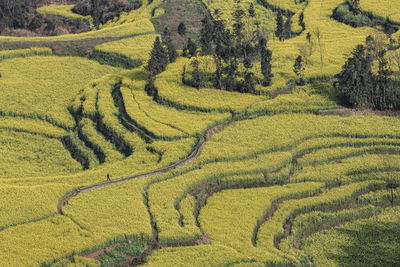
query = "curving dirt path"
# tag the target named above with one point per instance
(192, 156)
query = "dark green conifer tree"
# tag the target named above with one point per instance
(298, 69)
(197, 76)
(206, 36)
(288, 27)
(382, 83)
(182, 29)
(158, 59)
(171, 49)
(238, 25)
(266, 67)
(248, 84)
(96, 12)
(191, 47)
(355, 4)
(252, 11)
(356, 80)
(279, 27)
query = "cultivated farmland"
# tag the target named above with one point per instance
(217, 157)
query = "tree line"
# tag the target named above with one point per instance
(233, 51)
(366, 79)
(15, 13)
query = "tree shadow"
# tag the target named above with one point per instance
(373, 243)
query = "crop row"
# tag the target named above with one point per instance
(64, 11)
(33, 51)
(189, 205)
(163, 196)
(203, 255)
(126, 29)
(292, 171)
(298, 132)
(182, 183)
(104, 150)
(219, 167)
(98, 103)
(273, 229)
(25, 154)
(308, 224)
(145, 12)
(125, 115)
(136, 48)
(171, 90)
(348, 170)
(231, 216)
(79, 151)
(184, 180)
(163, 121)
(20, 124)
(17, 208)
(150, 126)
(30, 92)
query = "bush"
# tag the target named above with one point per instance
(344, 14)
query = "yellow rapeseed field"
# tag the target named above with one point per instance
(273, 184)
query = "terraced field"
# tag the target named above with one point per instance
(199, 177)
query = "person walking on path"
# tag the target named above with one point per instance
(108, 177)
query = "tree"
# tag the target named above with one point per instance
(206, 36)
(248, 84)
(310, 44)
(395, 58)
(157, 63)
(355, 5)
(171, 49)
(149, 88)
(355, 81)
(301, 21)
(298, 69)
(288, 27)
(158, 59)
(363, 88)
(279, 26)
(15, 13)
(251, 10)
(266, 67)
(197, 75)
(238, 25)
(382, 81)
(247, 64)
(96, 13)
(182, 29)
(375, 44)
(231, 74)
(388, 27)
(304, 52)
(166, 33)
(191, 47)
(221, 40)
